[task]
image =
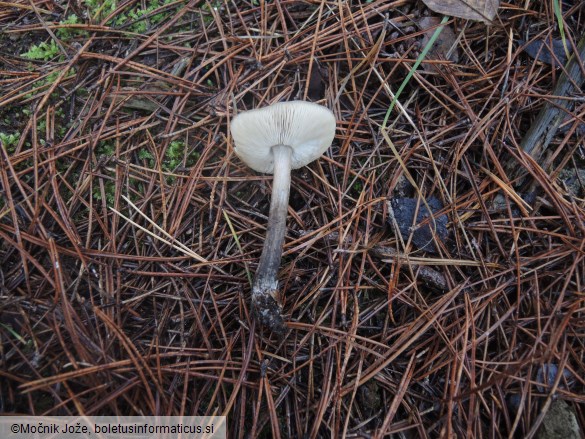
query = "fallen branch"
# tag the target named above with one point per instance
(545, 126)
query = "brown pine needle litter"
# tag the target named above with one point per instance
(129, 228)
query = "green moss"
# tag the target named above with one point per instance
(99, 9)
(42, 51)
(42, 126)
(144, 154)
(47, 82)
(68, 34)
(109, 190)
(137, 18)
(105, 148)
(205, 9)
(9, 141)
(176, 155)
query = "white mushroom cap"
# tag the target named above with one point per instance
(306, 127)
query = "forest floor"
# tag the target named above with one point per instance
(433, 270)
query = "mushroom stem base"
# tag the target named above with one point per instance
(268, 310)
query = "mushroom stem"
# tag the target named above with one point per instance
(265, 295)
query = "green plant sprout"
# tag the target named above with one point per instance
(419, 60)
(559, 17)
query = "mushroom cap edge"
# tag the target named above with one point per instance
(306, 127)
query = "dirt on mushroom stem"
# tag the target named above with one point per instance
(266, 298)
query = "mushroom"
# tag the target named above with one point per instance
(274, 140)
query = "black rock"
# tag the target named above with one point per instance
(547, 374)
(541, 51)
(403, 210)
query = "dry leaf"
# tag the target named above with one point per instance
(481, 10)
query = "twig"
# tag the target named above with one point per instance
(545, 126)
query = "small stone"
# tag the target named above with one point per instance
(547, 374)
(541, 51)
(559, 423)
